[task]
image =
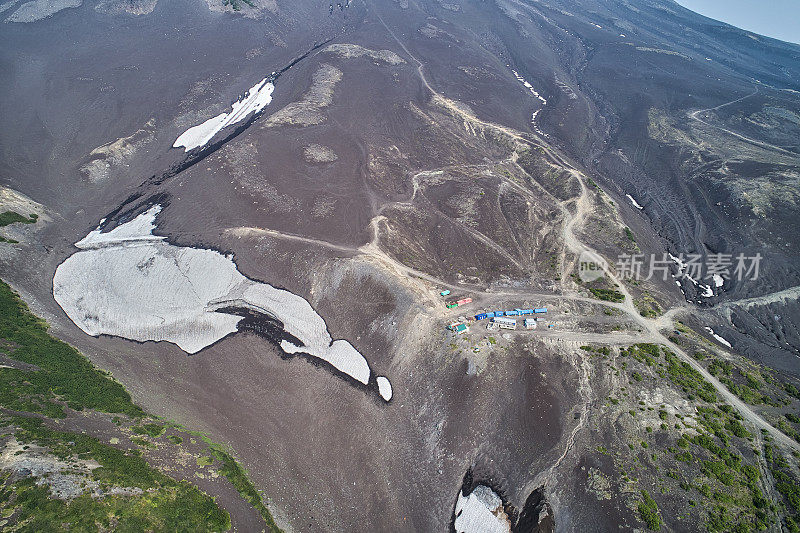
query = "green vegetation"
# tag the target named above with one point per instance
(746, 385)
(643, 352)
(603, 351)
(117, 467)
(238, 478)
(237, 4)
(791, 390)
(11, 217)
(747, 388)
(53, 376)
(141, 442)
(718, 367)
(62, 376)
(162, 504)
(608, 295)
(715, 458)
(180, 507)
(688, 379)
(648, 307)
(629, 234)
(648, 511)
(205, 461)
(786, 485)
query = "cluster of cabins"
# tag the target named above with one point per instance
(456, 303)
(501, 319)
(515, 312)
(510, 323)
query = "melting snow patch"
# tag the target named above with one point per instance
(634, 202)
(720, 339)
(683, 268)
(481, 512)
(130, 283)
(529, 87)
(384, 388)
(256, 99)
(535, 93)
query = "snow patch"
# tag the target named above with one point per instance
(718, 281)
(384, 388)
(528, 86)
(536, 94)
(683, 267)
(634, 202)
(40, 9)
(130, 283)
(481, 512)
(256, 99)
(720, 339)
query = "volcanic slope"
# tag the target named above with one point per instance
(444, 173)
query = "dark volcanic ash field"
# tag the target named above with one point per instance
(407, 148)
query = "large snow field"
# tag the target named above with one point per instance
(130, 283)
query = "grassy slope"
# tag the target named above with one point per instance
(706, 466)
(61, 377)
(10, 217)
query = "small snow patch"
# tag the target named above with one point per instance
(720, 339)
(634, 202)
(384, 388)
(481, 512)
(683, 272)
(528, 86)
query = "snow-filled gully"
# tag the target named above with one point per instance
(536, 94)
(254, 101)
(129, 283)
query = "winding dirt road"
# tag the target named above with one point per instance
(651, 328)
(576, 246)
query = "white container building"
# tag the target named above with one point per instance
(505, 323)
